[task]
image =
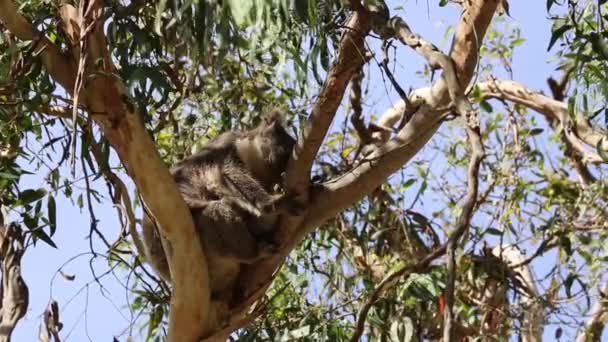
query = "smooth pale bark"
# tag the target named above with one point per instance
(533, 325)
(104, 99)
(579, 132)
(329, 199)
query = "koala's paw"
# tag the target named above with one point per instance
(285, 204)
(269, 208)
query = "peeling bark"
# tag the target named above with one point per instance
(592, 331)
(106, 99)
(14, 291)
(329, 199)
(534, 324)
(579, 132)
(51, 324)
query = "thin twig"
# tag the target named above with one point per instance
(389, 282)
(463, 222)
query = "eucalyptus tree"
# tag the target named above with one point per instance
(391, 245)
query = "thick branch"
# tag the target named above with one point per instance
(578, 132)
(434, 102)
(14, 292)
(533, 325)
(59, 66)
(125, 131)
(592, 331)
(106, 99)
(350, 58)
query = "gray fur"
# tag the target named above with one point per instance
(228, 187)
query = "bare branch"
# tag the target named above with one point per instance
(578, 132)
(433, 103)
(436, 59)
(463, 222)
(592, 331)
(533, 326)
(350, 58)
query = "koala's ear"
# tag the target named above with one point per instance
(275, 115)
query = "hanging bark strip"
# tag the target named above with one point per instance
(14, 291)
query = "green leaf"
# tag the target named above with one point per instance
(79, 201)
(155, 319)
(557, 34)
(566, 244)
(301, 7)
(535, 131)
(52, 213)
(11, 176)
(486, 106)
(407, 184)
(599, 45)
(517, 42)
(494, 231)
(42, 235)
(30, 195)
(568, 284)
(240, 11)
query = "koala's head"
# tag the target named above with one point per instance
(274, 141)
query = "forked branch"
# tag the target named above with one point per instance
(104, 98)
(578, 131)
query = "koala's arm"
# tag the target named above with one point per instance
(243, 190)
(224, 233)
(155, 252)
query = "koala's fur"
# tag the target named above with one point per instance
(228, 187)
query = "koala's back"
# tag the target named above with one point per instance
(200, 175)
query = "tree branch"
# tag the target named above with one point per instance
(434, 102)
(388, 282)
(533, 325)
(107, 101)
(558, 90)
(14, 291)
(578, 132)
(350, 58)
(592, 331)
(51, 324)
(463, 222)
(338, 194)
(59, 66)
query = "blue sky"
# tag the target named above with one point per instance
(92, 313)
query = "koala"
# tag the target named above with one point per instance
(229, 187)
